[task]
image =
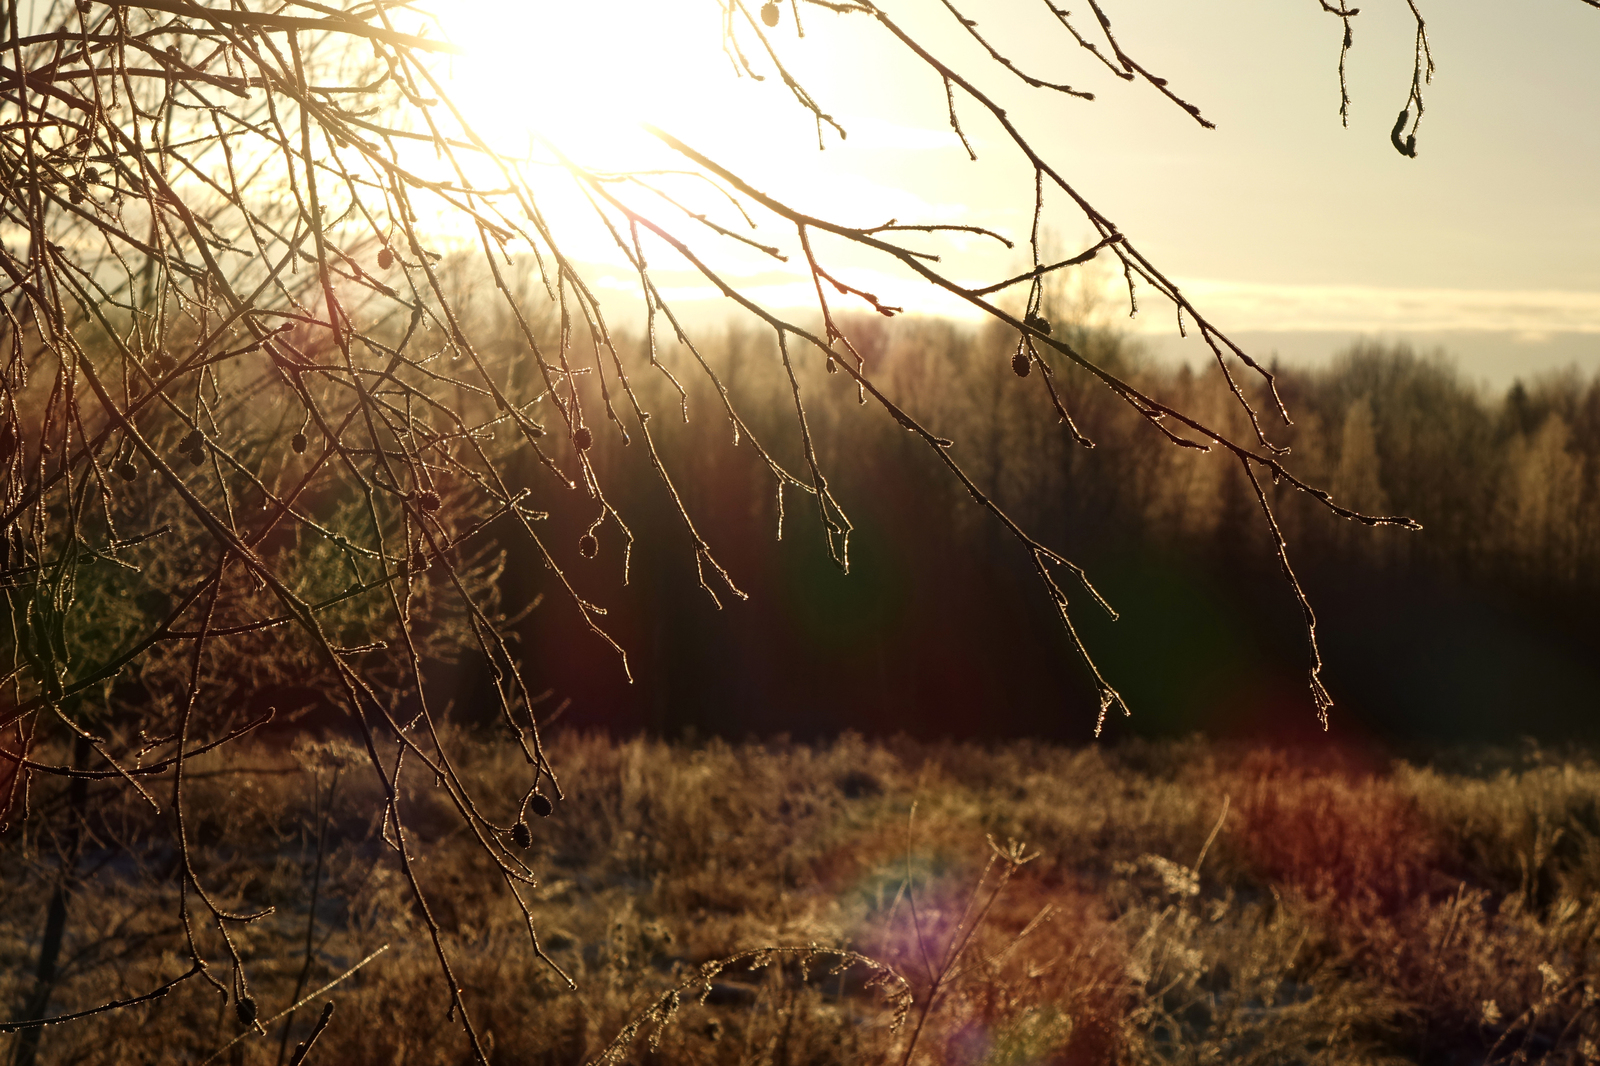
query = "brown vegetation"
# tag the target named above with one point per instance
(1183, 902)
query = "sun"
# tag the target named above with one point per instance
(585, 75)
(571, 87)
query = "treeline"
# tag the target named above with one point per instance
(941, 627)
(1507, 486)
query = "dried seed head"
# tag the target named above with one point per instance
(298, 443)
(588, 546)
(1021, 364)
(521, 835)
(127, 471)
(385, 258)
(769, 13)
(429, 501)
(582, 439)
(540, 804)
(246, 1010)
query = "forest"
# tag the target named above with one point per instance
(1470, 629)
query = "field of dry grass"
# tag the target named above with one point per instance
(1183, 903)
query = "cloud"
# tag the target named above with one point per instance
(1237, 305)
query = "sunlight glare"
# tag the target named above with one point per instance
(586, 74)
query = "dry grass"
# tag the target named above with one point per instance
(1337, 913)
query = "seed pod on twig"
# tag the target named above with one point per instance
(1021, 364)
(428, 501)
(540, 804)
(298, 443)
(193, 442)
(769, 13)
(385, 258)
(582, 439)
(419, 561)
(521, 835)
(127, 471)
(246, 1010)
(588, 546)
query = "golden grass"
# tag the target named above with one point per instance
(1340, 913)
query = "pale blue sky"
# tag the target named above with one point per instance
(1286, 227)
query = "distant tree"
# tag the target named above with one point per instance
(258, 432)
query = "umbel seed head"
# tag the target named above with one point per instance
(540, 804)
(521, 835)
(769, 13)
(246, 1010)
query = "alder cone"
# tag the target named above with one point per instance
(127, 471)
(540, 804)
(1021, 365)
(298, 442)
(582, 439)
(521, 835)
(246, 1010)
(429, 501)
(588, 546)
(769, 13)
(385, 259)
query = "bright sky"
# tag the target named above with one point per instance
(1288, 230)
